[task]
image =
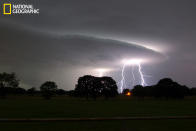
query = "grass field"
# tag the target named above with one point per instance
(160, 125)
(61, 107)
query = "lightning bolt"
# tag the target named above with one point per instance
(122, 82)
(132, 71)
(143, 83)
(123, 78)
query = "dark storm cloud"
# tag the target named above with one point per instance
(167, 24)
(40, 57)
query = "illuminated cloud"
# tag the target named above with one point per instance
(44, 47)
(37, 58)
(101, 71)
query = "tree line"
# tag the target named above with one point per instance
(165, 88)
(88, 86)
(9, 85)
(92, 87)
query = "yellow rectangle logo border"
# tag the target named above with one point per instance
(7, 13)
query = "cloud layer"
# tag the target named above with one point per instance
(39, 57)
(69, 38)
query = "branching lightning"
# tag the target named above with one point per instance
(132, 69)
(123, 78)
(135, 65)
(143, 83)
(132, 62)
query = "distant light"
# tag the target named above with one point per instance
(101, 71)
(132, 61)
(128, 93)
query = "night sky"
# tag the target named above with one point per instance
(72, 38)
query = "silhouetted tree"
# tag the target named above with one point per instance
(193, 91)
(169, 89)
(7, 81)
(90, 86)
(138, 91)
(166, 88)
(61, 92)
(96, 88)
(149, 91)
(85, 86)
(32, 91)
(17, 91)
(125, 91)
(48, 89)
(72, 93)
(108, 87)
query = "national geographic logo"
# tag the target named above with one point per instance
(9, 9)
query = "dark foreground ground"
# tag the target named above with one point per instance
(159, 125)
(65, 107)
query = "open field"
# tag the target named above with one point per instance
(61, 107)
(160, 125)
(65, 107)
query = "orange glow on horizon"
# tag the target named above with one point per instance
(128, 93)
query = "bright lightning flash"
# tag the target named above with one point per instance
(143, 83)
(101, 71)
(123, 78)
(132, 62)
